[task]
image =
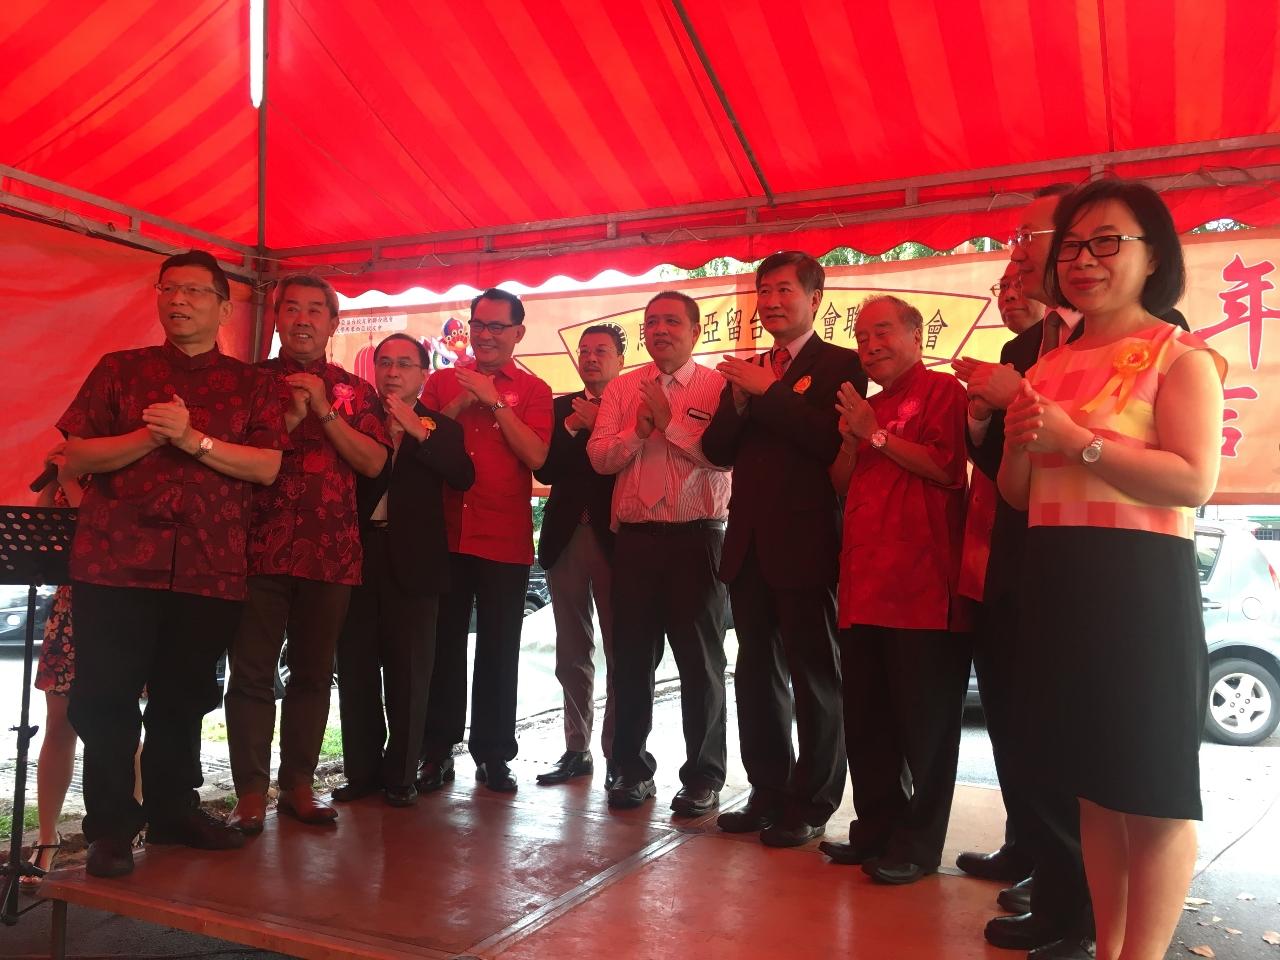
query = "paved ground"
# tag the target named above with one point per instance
(1238, 869)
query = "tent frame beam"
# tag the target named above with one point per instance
(909, 188)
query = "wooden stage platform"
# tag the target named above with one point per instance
(549, 873)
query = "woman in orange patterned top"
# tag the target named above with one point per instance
(1112, 444)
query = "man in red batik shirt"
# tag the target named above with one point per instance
(904, 667)
(304, 558)
(175, 436)
(506, 418)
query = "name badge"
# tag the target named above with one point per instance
(697, 414)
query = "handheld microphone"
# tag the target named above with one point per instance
(47, 477)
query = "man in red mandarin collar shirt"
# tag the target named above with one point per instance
(902, 462)
(506, 419)
(304, 557)
(175, 436)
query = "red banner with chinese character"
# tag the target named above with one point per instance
(1231, 301)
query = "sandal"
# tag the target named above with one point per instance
(42, 857)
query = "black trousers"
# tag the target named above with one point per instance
(786, 643)
(125, 639)
(497, 591)
(665, 585)
(312, 612)
(996, 652)
(386, 652)
(903, 700)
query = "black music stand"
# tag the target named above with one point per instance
(35, 547)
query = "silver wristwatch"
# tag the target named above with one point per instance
(1093, 451)
(879, 438)
(500, 404)
(206, 444)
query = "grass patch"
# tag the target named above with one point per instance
(213, 731)
(30, 820)
(331, 745)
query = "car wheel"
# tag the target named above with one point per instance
(531, 606)
(1244, 703)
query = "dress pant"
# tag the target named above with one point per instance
(127, 638)
(788, 635)
(903, 703)
(312, 612)
(385, 655)
(497, 591)
(996, 660)
(665, 584)
(580, 582)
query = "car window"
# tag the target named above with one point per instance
(1208, 546)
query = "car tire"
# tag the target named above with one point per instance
(1244, 702)
(531, 606)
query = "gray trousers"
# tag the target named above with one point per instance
(580, 581)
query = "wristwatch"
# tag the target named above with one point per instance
(499, 404)
(206, 444)
(879, 439)
(331, 415)
(1093, 451)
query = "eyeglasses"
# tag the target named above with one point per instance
(494, 327)
(188, 290)
(403, 363)
(1107, 245)
(1004, 286)
(1022, 237)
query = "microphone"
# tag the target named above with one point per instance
(47, 477)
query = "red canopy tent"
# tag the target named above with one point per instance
(434, 143)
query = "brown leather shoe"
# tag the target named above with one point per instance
(301, 804)
(248, 814)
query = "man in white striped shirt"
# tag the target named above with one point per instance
(669, 509)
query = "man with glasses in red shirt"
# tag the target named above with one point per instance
(305, 556)
(176, 437)
(506, 416)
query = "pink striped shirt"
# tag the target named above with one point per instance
(694, 488)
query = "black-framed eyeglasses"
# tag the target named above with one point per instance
(189, 290)
(495, 327)
(1021, 238)
(1107, 245)
(401, 363)
(1004, 286)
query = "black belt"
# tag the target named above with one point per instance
(656, 528)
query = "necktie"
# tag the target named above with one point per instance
(780, 360)
(653, 462)
(1051, 335)
(586, 511)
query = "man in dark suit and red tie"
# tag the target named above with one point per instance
(576, 550)
(776, 425)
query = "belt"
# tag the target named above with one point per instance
(656, 528)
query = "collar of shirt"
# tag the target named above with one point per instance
(508, 370)
(682, 376)
(316, 366)
(796, 345)
(186, 362)
(904, 382)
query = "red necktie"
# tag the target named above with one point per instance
(780, 360)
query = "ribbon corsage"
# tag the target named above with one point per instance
(1128, 361)
(343, 395)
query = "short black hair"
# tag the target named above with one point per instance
(610, 330)
(1165, 285)
(312, 283)
(808, 270)
(423, 356)
(493, 293)
(690, 305)
(200, 258)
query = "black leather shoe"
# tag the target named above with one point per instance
(791, 834)
(850, 854)
(401, 796)
(750, 819)
(497, 776)
(571, 764)
(1001, 866)
(109, 857)
(897, 874)
(1026, 931)
(695, 801)
(625, 795)
(1016, 899)
(612, 775)
(433, 774)
(196, 829)
(1072, 948)
(346, 792)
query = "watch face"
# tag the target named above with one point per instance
(1092, 452)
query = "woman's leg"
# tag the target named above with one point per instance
(56, 765)
(1162, 856)
(1104, 839)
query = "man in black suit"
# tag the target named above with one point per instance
(1054, 920)
(776, 425)
(576, 549)
(388, 641)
